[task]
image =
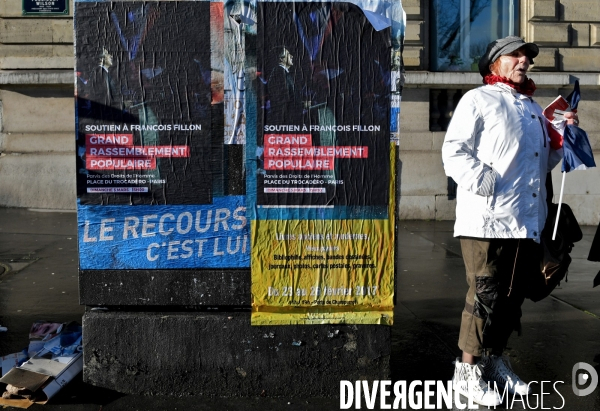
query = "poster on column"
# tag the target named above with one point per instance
(154, 182)
(144, 102)
(320, 164)
(323, 120)
(324, 271)
(239, 16)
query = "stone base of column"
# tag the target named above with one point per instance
(221, 354)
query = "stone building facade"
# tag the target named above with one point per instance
(37, 144)
(568, 33)
(37, 148)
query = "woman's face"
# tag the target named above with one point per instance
(513, 66)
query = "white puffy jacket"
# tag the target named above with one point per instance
(497, 149)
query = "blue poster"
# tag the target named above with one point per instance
(165, 237)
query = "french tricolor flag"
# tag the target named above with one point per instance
(577, 151)
(576, 144)
(574, 141)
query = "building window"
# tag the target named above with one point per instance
(442, 103)
(461, 30)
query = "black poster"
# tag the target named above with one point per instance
(323, 98)
(144, 132)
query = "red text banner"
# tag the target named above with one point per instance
(296, 152)
(109, 140)
(298, 140)
(137, 151)
(322, 151)
(107, 163)
(303, 163)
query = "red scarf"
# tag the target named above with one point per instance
(527, 87)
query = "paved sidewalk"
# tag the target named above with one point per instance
(38, 280)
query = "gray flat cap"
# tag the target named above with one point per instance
(504, 46)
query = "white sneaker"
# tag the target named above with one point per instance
(467, 380)
(498, 369)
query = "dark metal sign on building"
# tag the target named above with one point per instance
(36, 7)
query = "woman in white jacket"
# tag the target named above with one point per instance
(498, 150)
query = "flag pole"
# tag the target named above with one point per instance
(562, 187)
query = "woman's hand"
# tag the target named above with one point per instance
(572, 118)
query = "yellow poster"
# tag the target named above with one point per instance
(324, 271)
